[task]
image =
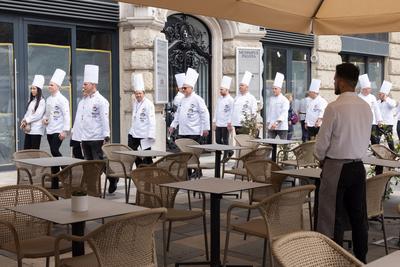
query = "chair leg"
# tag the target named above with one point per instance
(105, 187)
(19, 262)
(226, 246)
(126, 191)
(310, 212)
(129, 187)
(205, 237)
(271, 258)
(264, 253)
(169, 234)
(189, 201)
(47, 261)
(163, 245)
(384, 233)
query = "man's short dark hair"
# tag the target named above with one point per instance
(348, 72)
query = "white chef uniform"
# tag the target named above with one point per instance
(35, 117)
(143, 119)
(223, 112)
(57, 113)
(278, 110)
(315, 110)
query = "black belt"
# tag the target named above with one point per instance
(351, 160)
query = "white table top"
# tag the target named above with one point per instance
(312, 173)
(214, 185)
(143, 153)
(217, 147)
(381, 162)
(391, 260)
(60, 212)
(50, 161)
(274, 141)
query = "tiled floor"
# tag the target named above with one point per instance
(187, 242)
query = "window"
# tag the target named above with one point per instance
(381, 37)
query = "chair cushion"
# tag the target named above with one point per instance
(38, 247)
(88, 260)
(254, 227)
(183, 215)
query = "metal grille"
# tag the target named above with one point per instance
(288, 38)
(91, 10)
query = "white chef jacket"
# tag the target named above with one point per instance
(57, 112)
(388, 109)
(315, 110)
(278, 110)
(223, 112)
(192, 116)
(243, 104)
(398, 111)
(178, 98)
(373, 104)
(35, 118)
(76, 129)
(346, 130)
(143, 119)
(303, 107)
(95, 118)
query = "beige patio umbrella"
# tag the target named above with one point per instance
(303, 16)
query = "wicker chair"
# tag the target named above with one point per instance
(384, 152)
(118, 166)
(376, 187)
(177, 165)
(311, 249)
(26, 172)
(281, 213)
(23, 235)
(194, 163)
(243, 140)
(150, 194)
(304, 156)
(81, 176)
(125, 241)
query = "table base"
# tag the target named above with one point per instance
(78, 248)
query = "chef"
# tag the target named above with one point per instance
(223, 113)
(302, 109)
(143, 127)
(387, 107)
(244, 104)
(192, 115)
(180, 78)
(57, 116)
(76, 138)
(315, 109)
(278, 110)
(366, 95)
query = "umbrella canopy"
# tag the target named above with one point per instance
(302, 16)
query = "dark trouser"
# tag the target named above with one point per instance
(237, 129)
(281, 133)
(377, 132)
(92, 150)
(312, 132)
(398, 128)
(222, 137)
(134, 143)
(304, 132)
(290, 132)
(351, 202)
(196, 138)
(55, 144)
(76, 149)
(32, 141)
(375, 135)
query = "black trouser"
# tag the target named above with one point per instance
(92, 149)
(312, 132)
(375, 136)
(351, 204)
(281, 133)
(304, 132)
(237, 129)
(398, 128)
(76, 149)
(55, 144)
(222, 137)
(134, 143)
(32, 141)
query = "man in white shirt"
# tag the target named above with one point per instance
(278, 110)
(366, 95)
(143, 127)
(180, 79)
(315, 109)
(57, 117)
(223, 113)
(76, 136)
(342, 142)
(192, 115)
(387, 107)
(302, 115)
(245, 104)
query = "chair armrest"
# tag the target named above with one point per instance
(146, 165)
(116, 161)
(22, 169)
(47, 175)
(13, 231)
(240, 206)
(68, 238)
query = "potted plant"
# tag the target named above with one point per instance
(79, 201)
(249, 125)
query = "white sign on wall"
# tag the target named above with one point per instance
(161, 71)
(250, 59)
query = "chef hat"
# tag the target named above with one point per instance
(278, 82)
(137, 82)
(246, 78)
(385, 88)
(91, 74)
(364, 81)
(315, 85)
(58, 77)
(226, 82)
(38, 81)
(180, 78)
(191, 77)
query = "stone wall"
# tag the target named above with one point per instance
(392, 66)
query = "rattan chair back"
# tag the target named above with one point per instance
(304, 153)
(243, 140)
(183, 144)
(176, 164)
(30, 174)
(383, 152)
(114, 165)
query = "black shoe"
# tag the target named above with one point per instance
(113, 186)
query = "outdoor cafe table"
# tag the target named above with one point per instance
(60, 212)
(218, 148)
(143, 153)
(381, 162)
(391, 260)
(216, 187)
(50, 162)
(274, 143)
